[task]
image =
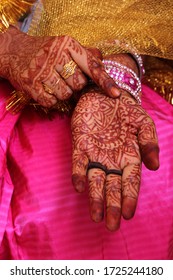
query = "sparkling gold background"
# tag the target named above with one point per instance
(145, 24)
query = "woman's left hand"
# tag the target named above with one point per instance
(50, 68)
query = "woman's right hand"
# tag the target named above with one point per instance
(111, 138)
(35, 66)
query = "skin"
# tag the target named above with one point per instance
(30, 63)
(119, 134)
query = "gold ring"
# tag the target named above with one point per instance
(68, 69)
(47, 89)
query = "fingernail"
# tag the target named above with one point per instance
(113, 218)
(80, 187)
(78, 182)
(97, 217)
(115, 92)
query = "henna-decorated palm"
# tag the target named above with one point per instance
(118, 134)
(34, 65)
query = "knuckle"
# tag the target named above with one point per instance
(79, 86)
(64, 96)
(46, 102)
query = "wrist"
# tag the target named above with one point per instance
(7, 45)
(5, 42)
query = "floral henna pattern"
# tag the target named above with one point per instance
(96, 180)
(113, 132)
(30, 63)
(113, 190)
(25, 62)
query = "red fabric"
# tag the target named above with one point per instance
(42, 217)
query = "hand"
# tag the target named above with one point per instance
(35, 65)
(110, 138)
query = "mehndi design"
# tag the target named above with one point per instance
(118, 134)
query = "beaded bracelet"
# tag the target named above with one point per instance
(124, 78)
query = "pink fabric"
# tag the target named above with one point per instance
(42, 217)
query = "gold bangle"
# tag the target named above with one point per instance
(17, 101)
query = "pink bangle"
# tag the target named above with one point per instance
(124, 78)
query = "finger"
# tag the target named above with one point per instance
(72, 75)
(42, 97)
(79, 170)
(55, 85)
(113, 201)
(148, 143)
(96, 53)
(96, 179)
(130, 189)
(93, 67)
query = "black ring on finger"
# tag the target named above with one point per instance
(114, 171)
(98, 165)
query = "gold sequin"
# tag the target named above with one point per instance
(147, 24)
(12, 10)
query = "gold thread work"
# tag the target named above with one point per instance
(12, 10)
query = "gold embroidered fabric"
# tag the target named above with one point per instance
(145, 24)
(12, 10)
(159, 76)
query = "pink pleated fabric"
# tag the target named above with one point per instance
(42, 217)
